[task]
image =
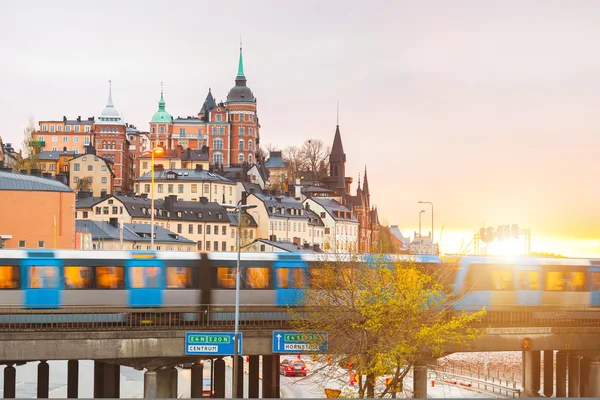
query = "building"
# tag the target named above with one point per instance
(110, 141)
(36, 212)
(178, 158)
(341, 227)
(249, 229)
(278, 172)
(107, 236)
(54, 135)
(263, 245)
(187, 185)
(402, 243)
(230, 130)
(139, 144)
(9, 158)
(91, 173)
(204, 222)
(55, 162)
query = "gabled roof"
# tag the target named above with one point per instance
(247, 218)
(251, 188)
(332, 207)
(278, 202)
(395, 231)
(131, 232)
(10, 181)
(314, 219)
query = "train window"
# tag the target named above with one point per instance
(109, 278)
(595, 280)
(144, 277)
(321, 277)
(291, 278)
(529, 280)
(488, 277)
(258, 278)
(179, 277)
(347, 276)
(43, 277)
(502, 280)
(78, 277)
(9, 277)
(568, 281)
(226, 278)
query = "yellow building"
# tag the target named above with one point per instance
(90, 173)
(55, 162)
(179, 158)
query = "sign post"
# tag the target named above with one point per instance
(299, 342)
(211, 343)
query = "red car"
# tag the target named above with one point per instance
(293, 368)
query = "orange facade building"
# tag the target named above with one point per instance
(35, 212)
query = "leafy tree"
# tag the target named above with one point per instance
(31, 148)
(384, 318)
(386, 244)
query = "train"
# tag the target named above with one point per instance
(54, 279)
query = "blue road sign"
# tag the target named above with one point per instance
(299, 342)
(216, 343)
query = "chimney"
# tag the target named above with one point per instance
(65, 149)
(103, 194)
(297, 189)
(79, 118)
(306, 245)
(23, 172)
(47, 175)
(159, 167)
(144, 195)
(36, 172)
(199, 167)
(297, 241)
(307, 206)
(316, 247)
(64, 118)
(63, 178)
(169, 202)
(203, 200)
(244, 197)
(273, 238)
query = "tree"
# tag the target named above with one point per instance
(382, 318)
(84, 185)
(386, 243)
(314, 154)
(31, 148)
(294, 162)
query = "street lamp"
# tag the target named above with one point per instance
(159, 151)
(239, 209)
(420, 237)
(432, 242)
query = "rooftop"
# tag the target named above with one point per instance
(131, 232)
(184, 174)
(10, 181)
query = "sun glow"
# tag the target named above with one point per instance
(507, 248)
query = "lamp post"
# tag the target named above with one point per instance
(430, 203)
(159, 151)
(420, 237)
(236, 366)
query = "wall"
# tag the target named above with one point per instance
(29, 216)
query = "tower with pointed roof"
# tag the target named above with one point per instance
(161, 125)
(110, 140)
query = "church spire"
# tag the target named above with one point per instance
(366, 183)
(109, 103)
(241, 63)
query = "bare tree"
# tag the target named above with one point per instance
(294, 162)
(314, 154)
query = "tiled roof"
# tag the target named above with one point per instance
(131, 232)
(10, 181)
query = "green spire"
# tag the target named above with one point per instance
(241, 64)
(161, 115)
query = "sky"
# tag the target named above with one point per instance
(487, 109)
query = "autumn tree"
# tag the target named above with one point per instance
(31, 148)
(383, 317)
(315, 155)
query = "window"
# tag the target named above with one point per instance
(199, 229)
(87, 128)
(145, 165)
(104, 210)
(160, 188)
(225, 276)
(216, 246)
(76, 167)
(241, 158)
(250, 130)
(216, 231)
(44, 128)
(241, 130)
(103, 168)
(221, 130)
(76, 128)
(75, 150)
(219, 117)
(208, 229)
(43, 277)
(529, 280)
(567, 281)
(65, 139)
(162, 129)
(78, 277)
(218, 158)
(179, 228)
(257, 278)
(249, 158)
(223, 230)
(10, 277)
(217, 144)
(170, 188)
(54, 139)
(223, 246)
(144, 277)
(179, 277)
(147, 187)
(250, 145)
(241, 144)
(191, 228)
(51, 167)
(51, 128)
(86, 140)
(90, 167)
(200, 245)
(98, 210)
(214, 130)
(206, 188)
(182, 131)
(207, 245)
(290, 278)
(103, 179)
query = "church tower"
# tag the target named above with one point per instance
(161, 126)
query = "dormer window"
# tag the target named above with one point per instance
(199, 215)
(219, 216)
(179, 214)
(171, 175)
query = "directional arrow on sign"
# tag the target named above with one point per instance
(278, 341)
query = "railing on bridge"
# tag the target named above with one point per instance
(14, 319)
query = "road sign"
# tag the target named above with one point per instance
(215, 343)
(299, 342)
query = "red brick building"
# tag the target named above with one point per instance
(230, 130)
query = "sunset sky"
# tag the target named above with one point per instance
(488, 109)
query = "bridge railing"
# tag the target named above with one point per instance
(251, 317)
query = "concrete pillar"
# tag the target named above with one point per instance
(253, 377)
(267, 377)
(561, 374)
(573, 375)
(163, 383)
(594, 379)
(420, 382)
(219, 378)
(276, 376)
(240, 394)
(43, 380)
(10, 382)
(531, 373)
(174, 381)
(112, 381)
(584, 376)
(197, 380)
(150, 385)
(548, 373)
(73, 379)
(98, 379)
